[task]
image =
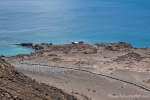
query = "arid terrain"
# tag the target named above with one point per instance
(16, 86)
(115, 71)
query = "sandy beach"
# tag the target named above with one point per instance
(101, 72)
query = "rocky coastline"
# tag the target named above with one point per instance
(109, 46)
(115, 61)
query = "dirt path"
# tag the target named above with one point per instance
(94, 86)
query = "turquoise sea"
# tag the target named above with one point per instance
(64, 21)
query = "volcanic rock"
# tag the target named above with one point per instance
(14, 85)
(118, 46)
(129, 56)
(69, 47)
(25, 44)
(89, 51)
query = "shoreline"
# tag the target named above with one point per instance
(38, 46)
(116, 62)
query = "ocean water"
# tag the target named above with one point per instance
(64, 21)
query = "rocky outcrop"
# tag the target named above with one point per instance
(52, 55)
(129, 57)
(16, 86)
(25, 44)
(38, 47)
(90, 51)
(118, 46)
(148, 81)
(76, 47)
(35, 46)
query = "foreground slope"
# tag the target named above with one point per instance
(16, 86)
